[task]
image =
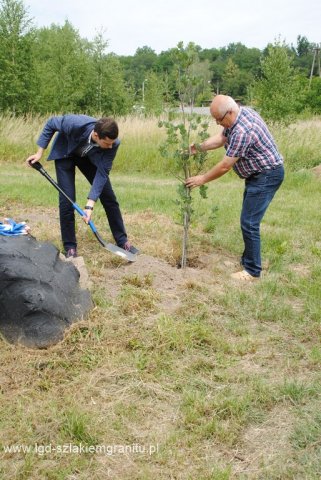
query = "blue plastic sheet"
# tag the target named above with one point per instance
(10, 228)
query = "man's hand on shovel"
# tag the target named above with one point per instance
(88, 210)
(35, 157)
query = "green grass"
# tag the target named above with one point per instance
(224, 379)
(141, 138)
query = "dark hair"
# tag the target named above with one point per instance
(106, 127)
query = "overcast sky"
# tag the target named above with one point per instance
(161, 24)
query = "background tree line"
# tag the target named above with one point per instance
(53, 69)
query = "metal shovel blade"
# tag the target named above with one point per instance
(130, 257)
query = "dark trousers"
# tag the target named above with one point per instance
(65, 171)
(258, 194)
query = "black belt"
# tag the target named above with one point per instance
(274, 167)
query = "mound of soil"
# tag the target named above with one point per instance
(167, 280)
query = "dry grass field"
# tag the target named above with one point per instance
(175, 374)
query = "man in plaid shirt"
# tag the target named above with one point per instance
(253, 155)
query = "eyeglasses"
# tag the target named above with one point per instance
(220, 120)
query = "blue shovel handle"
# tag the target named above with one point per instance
(83, 214)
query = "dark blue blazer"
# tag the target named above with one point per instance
(72, 132)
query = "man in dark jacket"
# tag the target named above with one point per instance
(91, 145)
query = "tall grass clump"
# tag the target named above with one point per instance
(140, 140)
(300, 143)
(18, 136)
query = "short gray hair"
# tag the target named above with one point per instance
(228, 105)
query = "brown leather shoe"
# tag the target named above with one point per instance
(244, 276)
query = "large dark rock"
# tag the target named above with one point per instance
(39, 292)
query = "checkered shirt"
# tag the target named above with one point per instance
(249, 139)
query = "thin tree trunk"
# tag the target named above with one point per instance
(186, 220)
(185, 239)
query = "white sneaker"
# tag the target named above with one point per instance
(244, 276)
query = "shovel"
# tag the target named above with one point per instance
(131, 257)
